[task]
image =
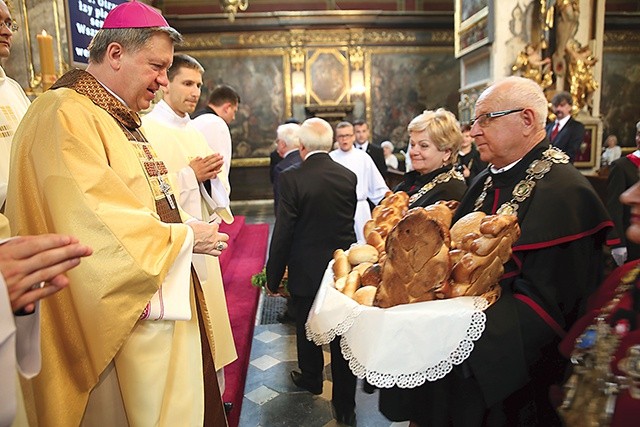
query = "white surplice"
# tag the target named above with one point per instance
(370, 185)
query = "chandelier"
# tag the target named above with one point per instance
(231, 7)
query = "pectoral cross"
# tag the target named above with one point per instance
(164, 187)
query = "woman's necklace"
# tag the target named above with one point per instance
(439, 179)
(536, 170)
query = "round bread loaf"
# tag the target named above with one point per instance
(365, 295)
(362, 253)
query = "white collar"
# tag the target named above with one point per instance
(310, 153)
(164, 113)
(289, 152)
(563, 122)
(3, 75)
(364, 145)
(505, 168)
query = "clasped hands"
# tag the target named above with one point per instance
(26, 262)
(206, 168)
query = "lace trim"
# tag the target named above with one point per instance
(330, 335)
(433, 373)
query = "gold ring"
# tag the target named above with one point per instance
(219, 246)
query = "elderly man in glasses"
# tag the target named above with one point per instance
(13, 101)
(555, 265)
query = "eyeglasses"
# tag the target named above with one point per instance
(347, 135)
(11, 24)
(484, 119)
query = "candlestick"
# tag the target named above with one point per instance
(47, 64)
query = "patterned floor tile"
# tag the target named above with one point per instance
(267, 336)
(264, 362)
(261, 395)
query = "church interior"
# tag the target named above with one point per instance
(381, 61)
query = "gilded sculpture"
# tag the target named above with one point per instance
(570, 66)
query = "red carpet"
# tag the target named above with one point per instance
(245, 257)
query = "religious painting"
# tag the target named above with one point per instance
(404, 83)
(473, 25)
(619, 102)
(586, 157)
(327, 76)
(261, 78)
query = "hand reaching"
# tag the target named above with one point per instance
(28, 261)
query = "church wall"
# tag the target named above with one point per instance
(404, 71)
(620, 96)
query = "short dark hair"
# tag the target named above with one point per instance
(222, 94)
(360, 122)
(561, 97)
(180, 60)
(132, 39)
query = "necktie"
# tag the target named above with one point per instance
(555, 130)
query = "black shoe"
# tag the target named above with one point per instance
(300, 381)
(368, 388)
(344, 418)
(285, 318)
(228, 406)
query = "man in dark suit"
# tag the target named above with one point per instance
(361, 130)
(315, 217)
(623, 173)
(565, 133)
(287, 146)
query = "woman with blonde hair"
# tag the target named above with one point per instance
(434, 142)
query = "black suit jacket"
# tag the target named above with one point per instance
(377, 155)
(315, 217)
(292, 159)
(569, 138)
(623, 173)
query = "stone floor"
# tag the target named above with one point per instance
(270, 398)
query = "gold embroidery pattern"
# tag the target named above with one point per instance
(129, 121)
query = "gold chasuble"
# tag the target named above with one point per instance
(80, 166)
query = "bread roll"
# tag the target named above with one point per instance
(340, 283)
(341, 266)
(352, 284)
(365, 295)
(374, 239)
(470, 223)
(362, 267)
(362, 253)
(372, 275)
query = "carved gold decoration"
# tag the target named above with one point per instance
(250, 163)
(327, 76)
(622, 37)
(231, 7)
(201, 41)
(339, 37)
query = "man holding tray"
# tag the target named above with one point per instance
(556, 264)
(315, 217)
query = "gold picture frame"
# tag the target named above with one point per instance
(586, 157)
(473, 25)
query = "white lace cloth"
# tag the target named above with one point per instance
(404, 345)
